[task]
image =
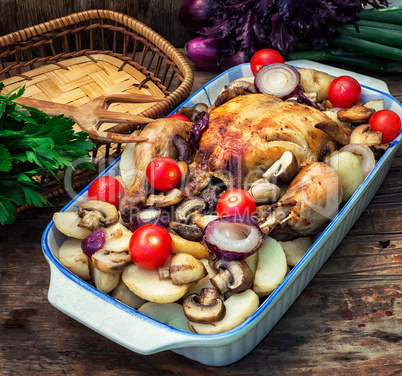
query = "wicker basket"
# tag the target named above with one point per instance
(76, 58)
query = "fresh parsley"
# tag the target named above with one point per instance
(33, 146)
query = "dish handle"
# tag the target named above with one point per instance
(115, 321)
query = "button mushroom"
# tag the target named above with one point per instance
(233, 276)
(184, 268)
(163, 200)
(363, 134)
(95, 214)
(110, 262)
(264, 192)
(189, 206)
(189, 232)
(204, 308)
(283, 170)
(186, 152)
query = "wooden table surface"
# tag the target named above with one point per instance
(346, 322)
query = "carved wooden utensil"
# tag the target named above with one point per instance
(89, 116)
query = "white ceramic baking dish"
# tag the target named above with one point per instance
(144, 335)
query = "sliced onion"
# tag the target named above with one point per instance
(150, 215)
(367, 161)
(279, 79)
(233, 237)
(94, 242)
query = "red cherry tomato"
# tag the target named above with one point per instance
(236, 201)
(265, 56)
(163, 173)
(106, 188)
(178, 117)
(150, 246)
(344, 91)
(388, 122)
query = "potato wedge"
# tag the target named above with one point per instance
(169, 313)
(117, 238)
(196, 249)
(349, 170)
(147, 285)
(375, 104)
(195, 288)
(105, 282)
(239, 307)
(127, 165)
(74, 259)
(295, 249)
(67, 223)
(123, 294)
(271, 267)
(314, 81)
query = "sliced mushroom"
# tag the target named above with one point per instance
(358, 114)
(204, 308)
(211, 196)
(340, 132)
(189, 232)
(283, 170)
(184, 171)
(233, 276)
(186, 152)
(163, 200)
(95, 214)
(189, 206)
(264, 192)
(184, 268)
(363, 134)
(239, 307)
(326, 151)
(147, 285)
(110, 262)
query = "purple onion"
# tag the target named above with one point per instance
(150, 216)
(233, 237)
(196, 14)
(93, 242)
(279, 79)
(303, 99)
(239, 57)
(204, 52)
(197, 129)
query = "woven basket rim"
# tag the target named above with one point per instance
(35, 31)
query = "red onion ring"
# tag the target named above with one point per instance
(368, 160)
(279, 79)
(233, 237)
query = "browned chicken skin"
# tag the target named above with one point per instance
(311, 200)
(249, 133)
(159, 144)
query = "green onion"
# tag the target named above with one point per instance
(391, 15)
(355, 58)
(368, 47)
(383, 36)
(379, 25)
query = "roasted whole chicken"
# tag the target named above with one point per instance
(247, 134)
(244, 137)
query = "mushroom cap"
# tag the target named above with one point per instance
(95, 214)
(204, 308)
(162, 200)
(189, 206)
(110, 262)
(241, 275)
(283, 170)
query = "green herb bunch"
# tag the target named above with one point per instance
(33, 145)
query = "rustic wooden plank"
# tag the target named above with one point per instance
(346, 322)
(161, 16)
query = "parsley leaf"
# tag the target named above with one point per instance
(33, 145)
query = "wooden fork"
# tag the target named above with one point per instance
(89, 116)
